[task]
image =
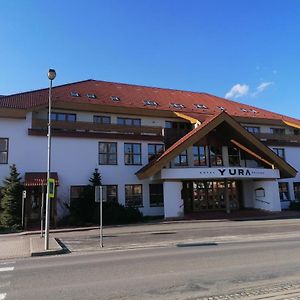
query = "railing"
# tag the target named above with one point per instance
(278, 137)
(96, 127)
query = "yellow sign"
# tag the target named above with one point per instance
(51, 187)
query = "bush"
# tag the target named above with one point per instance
(295, 205)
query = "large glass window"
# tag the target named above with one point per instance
(76, 191)
(233, 156)
(57, 116)
(284, 191)
(277, 130)
(129, 121)
(178, 125)
(110, 192)
(181, 159)
(280, 152)
(101, 119)
(215, 156)
(107, 153)
(156, 195)
(133, 195)
(252, 129)
(3, 150)
(199, 155)
(297, 190)
(132, 154)
(154, 150)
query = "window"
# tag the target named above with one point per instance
(296, 132)
(252, 129)
(233, 156)
(115, 98)
(91, 96)
(199, 155)
(76, 191)
(150, 103)
(178, 125)
(297, 190)
(129, 121)
(75, 94)
(3, 150)
(101, 119)
(280, 152)
(110, 193)
(221, 108)
(56, 116)
(243, 109)
(201, 106)
(177, 105)
(215, 156)
(284, 191)
(132, 154)
(181, 159)
(107, 153)
(155, 150)
(277, 130)
(156, 195)
(133, 195)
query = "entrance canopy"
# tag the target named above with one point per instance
(228, 129)
(39, 178)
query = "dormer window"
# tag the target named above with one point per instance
(150, 103)
(91, 96)
(201, 106)
(177, 105)
(75, 94)
(115, 98)
(221, 108)
(243, 110)
(253, 111)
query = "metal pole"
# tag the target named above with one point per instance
(23, 208)
(101, 227)
(47, 223)
(42, 211)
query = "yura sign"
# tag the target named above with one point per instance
(234, 172)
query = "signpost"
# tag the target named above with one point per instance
(23, 207)
(99, 199)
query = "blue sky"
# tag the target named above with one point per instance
(246, 50)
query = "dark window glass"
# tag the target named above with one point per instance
(234, 156)
(156, 195)
(129, 121)
(155, 150)
(215, 155)
(178, 125)
(277, 130)
(133, 195)
(297, 190)
(284, 191)
(101, 119)
(110, 193)
(252, 129)
(280, 152)
(181, 159)
(3, 150)
(199, 155)
(76, 191)
(56, 116)
(132, 154)
(107, 153)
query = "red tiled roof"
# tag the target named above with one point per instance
(134, 96)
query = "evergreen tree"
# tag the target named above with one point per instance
(11, 202)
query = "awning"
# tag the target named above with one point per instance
(39, 178)
(292, 124)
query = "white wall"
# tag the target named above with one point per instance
(173, 203)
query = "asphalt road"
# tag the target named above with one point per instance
(240, 270)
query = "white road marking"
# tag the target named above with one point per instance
(7, 262)
(6, 270)
(2, 296)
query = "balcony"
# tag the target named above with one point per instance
(278, 138)
(97, 130)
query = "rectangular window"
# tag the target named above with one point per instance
(56, 116)
(181, 159)
(297, 190)
(3, 150)
(178, 125)
(284, 191)
(215, 156)
(132, 154)
(101, 119)
(277, 130)
(234, 156)
(156, 195)
(133, 195)
(280, 152)
(252, 129)
(155, 150)
(110, 192)
(129, 121)
(76, 191)
(199, 153)
(107, 153)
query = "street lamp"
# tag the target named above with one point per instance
(51, 76)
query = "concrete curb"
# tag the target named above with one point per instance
(37, 247)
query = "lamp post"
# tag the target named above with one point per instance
(51, 76)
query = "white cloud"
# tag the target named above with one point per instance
(238, 90)
(262, 87)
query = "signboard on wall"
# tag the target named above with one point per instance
(219, 173)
